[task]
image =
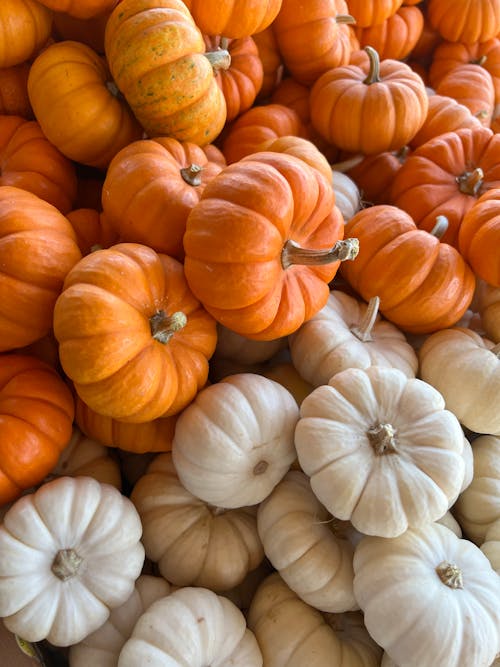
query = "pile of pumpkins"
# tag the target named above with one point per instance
(250, 331)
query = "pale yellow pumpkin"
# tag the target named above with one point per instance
(449, 521)
(347, 194)
(234, 346)
(487, 303)
(194, 543)
(491, 545)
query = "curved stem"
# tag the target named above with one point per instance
(219, 59)
(450, 574)
(192, 174)
(345, 165)
(342, 250)
(439, 229)
(364, 331)
(479, 61)
(66, 564)
(164, 326)
(374, 71)
(470, 181)
(345, 18)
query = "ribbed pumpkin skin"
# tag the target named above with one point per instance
(156, 55)
(233, 18)
(102, 321)
(373, 12)
(14, 90)
(37, 249)
(36, 418)
(396, 36)
(25, 26)
(80, 9)
(423, 285)
(479, 19)
(444, 115)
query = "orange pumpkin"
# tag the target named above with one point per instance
(156, 54)
(479, 19)
(423, 284)
(479, 237)
(77, 106)
(81, 9)
(369, 112)
(396, 36)
(28, 160)
(472, 86)
(92, 229)
(272, 62)
(374, 174)
(261, 245)
(37, 249)
(132, 337)
(25, 26)
(152, 185)
(36, 419)
(445, 114)
(90, 31)
(14, 98)
(373, 12)
(236, 19)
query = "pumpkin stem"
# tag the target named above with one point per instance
(350, 163)
(164, 326)
(192, 174)
(439, 229)
(217, 511)
(113, 88)
(342, 250)
(66, 564)
(470, 181)
(364, 331)
(260, 468)
(345, 18)
(374, 71)
(382, 439)
(219, 59)
(450, 574)
(479, 61)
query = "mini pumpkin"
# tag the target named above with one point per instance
(491, 545)
(25, 27)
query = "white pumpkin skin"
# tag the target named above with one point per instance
(347, 195)
(295, 531)
(194, 543)
(449, 521)
(290, 633)
(76, 544)
(192, 626)
(344, 334)
(234, 442)
(381, 450)
(491, 545)
(418, 592)
(102, 647)
(233, 346)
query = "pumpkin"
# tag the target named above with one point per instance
(81, 10)
(37, 413)
(25, 26)
(194, 543)
(132, 337)
(90, 31)
(303, 149)
(102, 647)
(396, 36)
(347, 333)
(234, 347)
(465, 368)
(151, 42)
(236, 19)
(257, 417)
(287, 375)
(77, 105)
(291, 633)
(242, 80)
(29, 161)
(480, 19)
(151, 186)
(71, 552)
(37, 249)
(445, 176)
(214, 632)
(373, 12)
(479, 237)
(369, 110)
(449, 521)
(92, 228)
(472, 86)
(491, 545)
(409, 616)
(298, 541)
(313, 38)
(272, 62)
(478, 506)
(242, 594)
(374, 174)
(423, 284)
(374, 429)
(14, 98)
(347, 194)
(259, 269)
(487, 300)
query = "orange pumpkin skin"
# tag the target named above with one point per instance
(36, 419)
(472, 86)
(152, 436)
(375, 173)
(29, 161)
(90, 31)
(14, 98)
(373, 12)
(25, 26)
(156, 55)
(445, 114)
(81, 9)
(272, 62)
(396, 36)
(480, 19)
(127, 357)
(236, 244)
(446, 175)
(479, 237)
(236, 19)
(369, 111)
(92, 229)
(152, 185)
(37, 249)
(77, 111)
(423, 284)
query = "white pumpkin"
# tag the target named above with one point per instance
(235, 441)
(465, 369)
(347, 195)
(194, 543)
(449, 521)
(102, 647)
(380, 449)
(233, 346)
(348, 333)
(491, 545)
(291, 633)
(295, 530)
(192, 627)
(429, 598)
(69, 553)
